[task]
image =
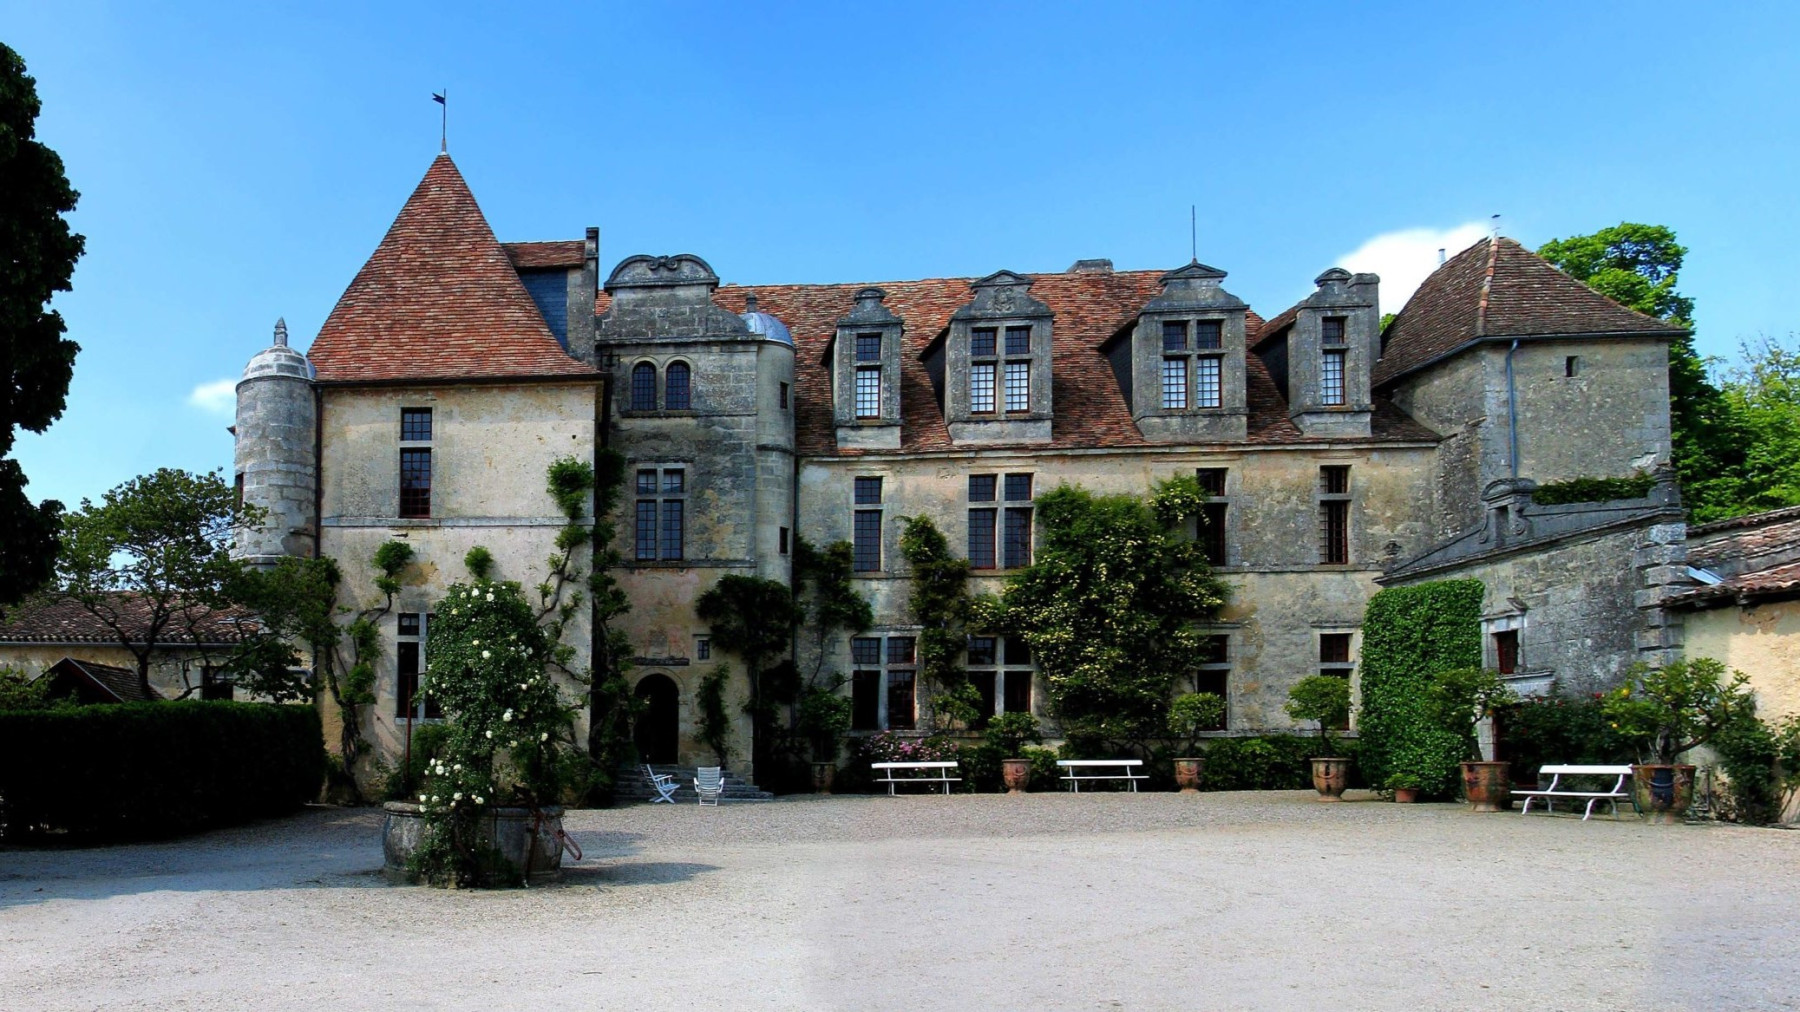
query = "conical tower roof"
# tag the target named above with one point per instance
(439, 300)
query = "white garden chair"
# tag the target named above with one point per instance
(709, 782)
(664, 784)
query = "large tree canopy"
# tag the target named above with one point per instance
(36, 361)
(1638, 266)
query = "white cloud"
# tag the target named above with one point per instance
(216, 398)
(1406, 257)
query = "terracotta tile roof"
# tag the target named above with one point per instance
(1091, 308)
(48, 619)
(120, 683)
(538, 256)
(1725, 544)
(438, 300)
(1774, 582)
(1500, 290)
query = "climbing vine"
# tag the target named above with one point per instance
(1411, 635)
(1573, 490)
(941, 606)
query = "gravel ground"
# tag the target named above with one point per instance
(1097, 901)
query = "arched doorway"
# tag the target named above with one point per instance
(658, 730)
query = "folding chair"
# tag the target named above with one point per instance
(709, 783)
(664, 783)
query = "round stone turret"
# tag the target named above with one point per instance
(276, 463)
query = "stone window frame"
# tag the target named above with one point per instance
(1007, 670)
(405, 688)
(1212, 670)
(1492, 628)
(668, 395)
(1333, 502)
(659, 496)
(868, 514)
(1193, 353)
(631, 403)
(878, 669)
(1217, 505)
(995, 515)
(999, 363)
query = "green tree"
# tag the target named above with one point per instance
(36, 361)
(294, 603)
(1109, 608)
(1763, 395)
(153, 559)
(1638, 266)
(753, 618)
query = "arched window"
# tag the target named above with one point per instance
(675, 387)
(643, 387)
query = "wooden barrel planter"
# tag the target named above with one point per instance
(529, 839)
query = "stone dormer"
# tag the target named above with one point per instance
(865, 371)
(997, 387)
(1187, 360)
(663, 298)
(1331, 350)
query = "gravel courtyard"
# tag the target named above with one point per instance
(1150, 901)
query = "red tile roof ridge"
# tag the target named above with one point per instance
(546, 254)
(439, 299)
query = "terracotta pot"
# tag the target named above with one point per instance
(822, 777)
(1017, 774)
(529, 840)
(1187, 774)
(1662, 792)
(1330, 777)
(1488, 785)
(1406, 795)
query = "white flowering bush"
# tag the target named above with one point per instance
(486, 667)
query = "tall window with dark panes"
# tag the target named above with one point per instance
(1334, 514)
(883, 683)
(643, 387)
(1175, 365)
(868, 376)
(1016, 534)
(677, 387)
(1331, 360)
(984, 366)
(1334, 660)
(1000, 669)
(661, 514)
(409, 651)
(1212, 514)
(983, 488)
(1506, 651)
(1209, 336)
(1212, 672)
(1018, 369)
(865, 556)
(415, 462)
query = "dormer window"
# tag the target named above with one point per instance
(1331, 377)
(865, 363)
(1331, 330)
(996, 363)
(1206, 367)
(987, 364)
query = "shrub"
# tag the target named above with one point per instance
(1761, 763)
(18, 692)
(1411, 634)
(1559, 729)
(1321, 698)
(1281, 762)
(427, 744)
(138, 771)
(1558, 493)
(1682, 705)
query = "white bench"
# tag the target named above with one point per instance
(1548, 795)
(1125, 767)
(920, 776)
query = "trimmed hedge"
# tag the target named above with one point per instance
(1411, 634)
(139, 771)
(1573, 490)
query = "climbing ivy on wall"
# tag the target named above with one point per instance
(1574, 490)
(1411, 634)
(940, 604)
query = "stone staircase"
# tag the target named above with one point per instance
(630, 786)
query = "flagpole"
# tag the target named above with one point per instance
(442, 98)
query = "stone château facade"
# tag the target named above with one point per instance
(1339, 456)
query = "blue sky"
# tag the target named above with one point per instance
(239, 163)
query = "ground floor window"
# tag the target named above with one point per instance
(883, 683)
(1212, 674)
(409, 654)
(1000, 669)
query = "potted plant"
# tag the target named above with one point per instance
(1460, 698)
(824, 717)
(1667, 711)
(1405, 786)
(1325, 699)
(1190, 714)
(1007, 734)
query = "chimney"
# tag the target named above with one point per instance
(1098, 265)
